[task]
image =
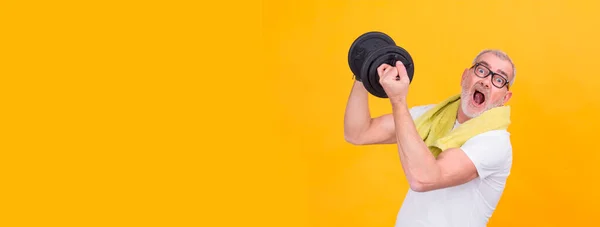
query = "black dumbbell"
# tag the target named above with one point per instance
(369, 51)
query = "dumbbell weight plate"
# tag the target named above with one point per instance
(362, 46)
(388, 55)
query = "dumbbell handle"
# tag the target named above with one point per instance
(394, 58)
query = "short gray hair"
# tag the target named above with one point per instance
(502, 56)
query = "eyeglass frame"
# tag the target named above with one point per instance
(507, 83)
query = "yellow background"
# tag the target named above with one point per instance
(554, 45)
(148, 113)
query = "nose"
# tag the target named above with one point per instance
(485, 83)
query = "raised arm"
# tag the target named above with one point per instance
(423, 171)
(362, 129)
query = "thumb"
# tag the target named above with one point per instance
(402, 74)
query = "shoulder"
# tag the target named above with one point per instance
(495, 140)
(491, 152)
(417, 111)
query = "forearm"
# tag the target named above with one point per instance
(357, 116)
(418, 163)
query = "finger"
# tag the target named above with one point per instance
(390, 73)
(383, 74)
(381, 68)
(386, 69)
(394, 74)
(402, 74)
(400, 67)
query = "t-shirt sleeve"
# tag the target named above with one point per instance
(489, 151)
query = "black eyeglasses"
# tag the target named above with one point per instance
(497, 80)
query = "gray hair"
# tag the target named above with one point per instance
(502, 56)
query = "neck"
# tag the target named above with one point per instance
(461, 117)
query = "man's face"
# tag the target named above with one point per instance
(481, 94)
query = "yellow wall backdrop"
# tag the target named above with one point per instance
(554, 45)
(220, 113)
(138, 113)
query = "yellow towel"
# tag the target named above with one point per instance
(435, 125)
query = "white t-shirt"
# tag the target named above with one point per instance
(469, 204)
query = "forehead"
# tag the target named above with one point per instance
(496, 64)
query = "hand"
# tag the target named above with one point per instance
(394, 81)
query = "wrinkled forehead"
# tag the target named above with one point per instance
(497, 64)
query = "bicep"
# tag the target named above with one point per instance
(455, 168)
(381, 130)
(481, 156)
(452, 167)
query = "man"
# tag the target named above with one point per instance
(456, 154)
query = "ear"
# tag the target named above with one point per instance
(464, 75)
(507, 96)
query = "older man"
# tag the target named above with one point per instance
(456, 154)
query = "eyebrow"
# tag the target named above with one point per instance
(499, 70)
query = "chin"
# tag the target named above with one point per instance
(474, 103)
(471, 112)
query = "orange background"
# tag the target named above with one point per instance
(146, 113)
(554, 45)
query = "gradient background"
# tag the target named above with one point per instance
(148, 113)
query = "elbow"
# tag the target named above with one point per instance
(419, 186)
(354, 134)
(352, 139)
(426, 180)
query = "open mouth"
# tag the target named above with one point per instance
(478, 97)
